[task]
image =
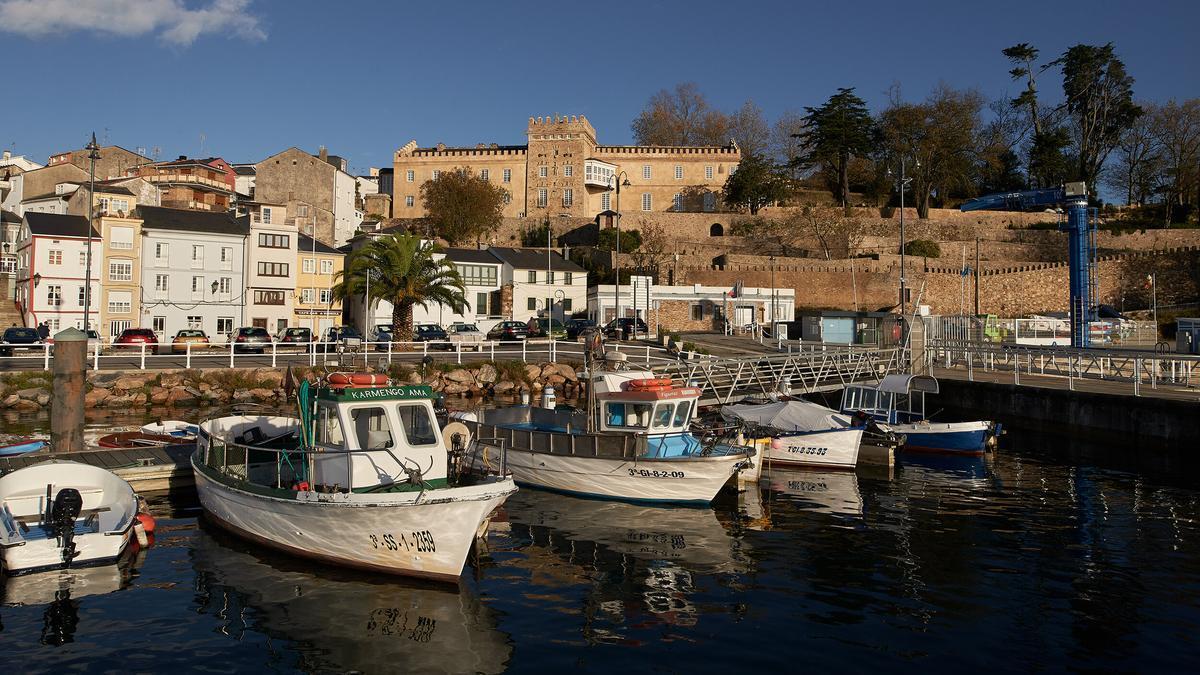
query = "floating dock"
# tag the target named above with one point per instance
(151, 470)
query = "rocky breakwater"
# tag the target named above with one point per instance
(115, 390)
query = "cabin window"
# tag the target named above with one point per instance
(681, 413)
(662, 415)
(372, 429)
(630, 415)
(329, 427)
(418, 428)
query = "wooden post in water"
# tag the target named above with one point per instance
(66, 403)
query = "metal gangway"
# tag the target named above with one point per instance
(820, 368)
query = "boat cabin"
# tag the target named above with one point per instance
(374, 435)
(353, 436)
(897, 399)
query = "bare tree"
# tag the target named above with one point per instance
(749, 129)
(680, 116)
(786, 146)
(1136, 168)
(838, 235)
(1176, 127)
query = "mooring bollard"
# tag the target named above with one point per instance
(66, 401)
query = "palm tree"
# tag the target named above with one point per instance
(403, 272)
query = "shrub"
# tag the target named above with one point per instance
(923, 248)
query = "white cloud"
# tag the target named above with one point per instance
(173, 22)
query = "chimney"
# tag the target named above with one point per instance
(7, 154)
(323, 154)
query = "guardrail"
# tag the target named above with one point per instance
(1134, 368)
(275, 354)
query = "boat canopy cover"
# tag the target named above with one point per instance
(787, 416)
(904, 384)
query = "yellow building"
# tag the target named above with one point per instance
(563, 170)
(119, 252)
(318, 267)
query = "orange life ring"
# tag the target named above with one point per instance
(338, 378)
(646, 384)
(357, 379)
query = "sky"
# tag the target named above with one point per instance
(244, 79)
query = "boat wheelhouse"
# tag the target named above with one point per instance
(899, 402)
(303, 484)
(632, 442)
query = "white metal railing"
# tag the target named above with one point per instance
(1129, 370)
(275, 354)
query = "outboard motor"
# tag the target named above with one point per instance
(67, 505)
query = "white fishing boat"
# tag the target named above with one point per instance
(631, 443)
(899, 402)
(59, 514)
(362, 479)
(799, 433)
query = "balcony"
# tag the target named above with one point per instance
(597, 174)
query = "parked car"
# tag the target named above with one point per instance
(251, 339)
(509, 331)
(431, 332)
(541, 327)
(93, 343)
(341, 339)
(466, 336)
(18, 337)
(576, 326)
(381, 335)
(198, 339)
(136, 337)
(617, 328)
(295, 336)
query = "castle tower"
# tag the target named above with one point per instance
(558, 147)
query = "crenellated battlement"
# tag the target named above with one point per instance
(545, 128)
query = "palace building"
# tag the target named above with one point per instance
(563, 170)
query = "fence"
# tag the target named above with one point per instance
(378, 354)
(1130, 370)
(1038, 331)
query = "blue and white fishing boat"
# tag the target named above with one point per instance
(899, 402)
(631, 443)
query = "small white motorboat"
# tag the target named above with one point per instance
(362, 479)
(800, 433)
(60, 514)
(176, 428)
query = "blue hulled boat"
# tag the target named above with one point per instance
(899, 402)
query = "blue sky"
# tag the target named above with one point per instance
(363, 78)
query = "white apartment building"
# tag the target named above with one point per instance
(542, 285)
(482, 275)
(193, 276)
(271, 269)
(51, 254)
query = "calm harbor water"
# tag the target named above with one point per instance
(1033, 559)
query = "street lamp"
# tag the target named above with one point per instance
(772, 259)
(620, 179)
(904, 181)
(93, 155)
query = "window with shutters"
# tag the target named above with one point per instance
(646, 201)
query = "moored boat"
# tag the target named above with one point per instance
(799, 433)
(363, 479)
(25, 447)
(176, 428)
(899, 402)
(136, 439)
(631, 442)
(59, 514)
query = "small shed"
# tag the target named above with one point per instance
(872, 329)
(1187, 336)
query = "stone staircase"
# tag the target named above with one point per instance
(9, 314)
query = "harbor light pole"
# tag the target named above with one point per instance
(620, 179)
(904, 181)
(93, 155)
(772, 259)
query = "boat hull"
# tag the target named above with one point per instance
(419, 534)
(833, 448)
(960, 438)
(686, 480)
(21, 448)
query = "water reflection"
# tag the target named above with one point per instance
(828, 492)
(342, 620)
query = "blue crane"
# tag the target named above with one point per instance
(1082, 242)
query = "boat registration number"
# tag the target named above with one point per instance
(806, 450)
(655, 473)
(419, 540)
